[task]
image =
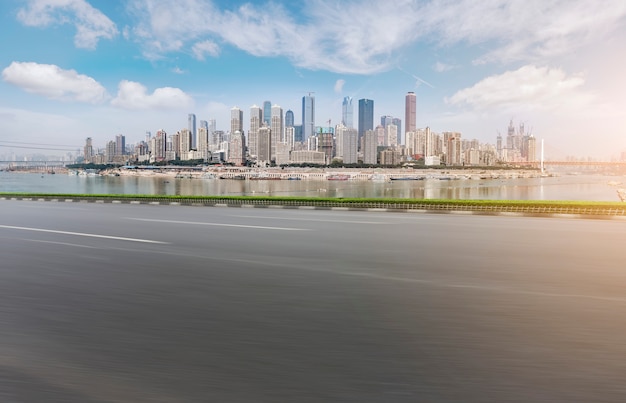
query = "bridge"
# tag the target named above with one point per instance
(43, 166)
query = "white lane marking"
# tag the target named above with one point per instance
(217, 224)
(119, 238)
(309, 219)
(59, 243)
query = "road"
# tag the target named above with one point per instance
(141, 303)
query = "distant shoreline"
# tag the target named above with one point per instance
(375, 174)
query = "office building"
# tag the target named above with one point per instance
(264, 147)
(191, 126)
(276, 127)
(256, 122)
(289, 118)
(350, 145)
(370, 148)
(410, 112)
(267, 112)
(88, 150)
(236, 120)
(237, 148)
(120, 144)
(308, 116)
(347, 112)
(366, 117)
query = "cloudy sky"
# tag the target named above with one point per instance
(72, 69)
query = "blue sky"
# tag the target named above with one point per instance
(72, 69)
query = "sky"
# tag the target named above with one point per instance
(72, 69)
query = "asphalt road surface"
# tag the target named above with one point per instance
(139, 303)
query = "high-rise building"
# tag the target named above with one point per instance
(203, 141)
(289, 118)
(267, 112)
(325, 144)
(88, 150)
(410, 112)
(264, 147)
(308, 116)
(398, 123)
(452, 141)
(184, 141)
(370, 145)
(237, 148)
(386, 120)
(298, 135)
(277, 128)
(120, 144)
(160, 141)
(366, 117)
(391, 135)
(256, 122)
(191, 126)
(347, 112)
(236, 120)
(350, 145)
(111, 150)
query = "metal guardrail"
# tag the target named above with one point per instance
(435, 207)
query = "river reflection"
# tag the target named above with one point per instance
(567, 187)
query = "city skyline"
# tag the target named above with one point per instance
(136, 67)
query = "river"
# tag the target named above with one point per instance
(564, 187)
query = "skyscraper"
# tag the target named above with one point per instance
(289, 120)
(267, 112)
(398, 123)
(347, 112)
(370, 143)
(236, 120)
(120, 144)
(264, 147)
(256, 122)
(191, 125)
(308, 116)
(277, 128)
(88, 150)
(366, 116)
(349, 146)
(410, 112)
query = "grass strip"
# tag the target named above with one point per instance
(340, 201)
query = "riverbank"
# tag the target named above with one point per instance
(336, 174)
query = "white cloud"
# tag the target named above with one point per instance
(440, 67)
(366, 36)
(53, 82)
(530, 86)
(133, 95)
(205, 48)
(523, 30)
(91, 24)
(178, 70)
(339, 86)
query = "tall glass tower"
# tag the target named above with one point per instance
(267, 112)
(308, 116)
(347, 111)
(289, 121)
(366, 117)
(191, 125)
